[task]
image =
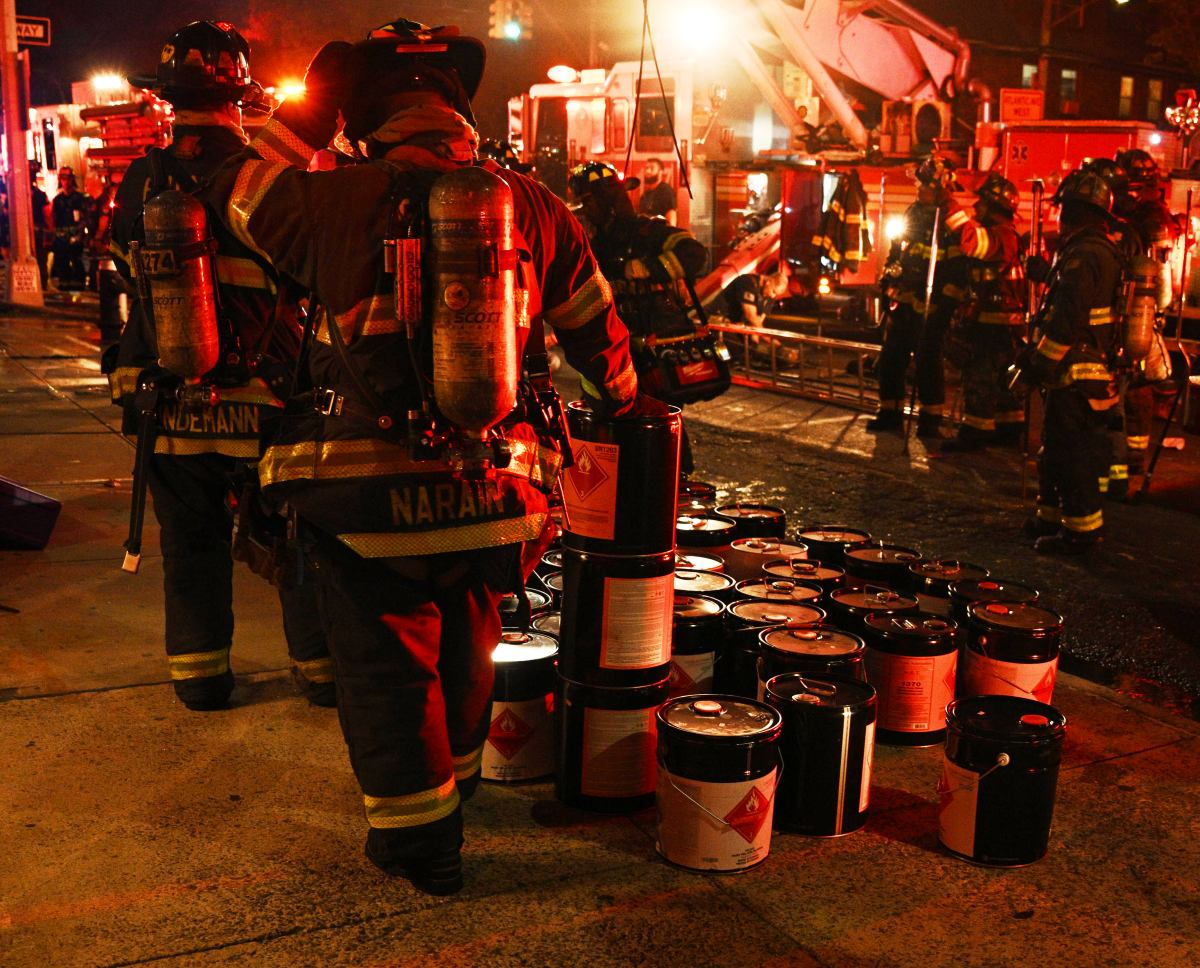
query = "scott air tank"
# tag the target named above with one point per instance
(1141, 305)
(177, 261)
(475, 309)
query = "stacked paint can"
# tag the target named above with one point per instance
(520, 742)
(697, 633)
(618, 574)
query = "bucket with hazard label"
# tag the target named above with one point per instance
(746, 555)
(616, 617)
(912, 659)
(621, 491)
(930, 581)
(874, 563)
(705, 533)
(520, 740)
(604, 745)
(714, 584)
(718, 766)
(737, 665)
(999, 779)
(689, 560)
(697, 633)
(755, 520)
(849, 607)
(828, 749)
(1012, 650)
(821, 651)
(828, 542)
(963, 594)
(806, 571)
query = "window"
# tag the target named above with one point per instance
(1125, 100)
(1068, 91)
(1154, 99)
(654, 116)
(1028, 75)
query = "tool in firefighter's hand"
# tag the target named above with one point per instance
(929, 277)
(145, 401)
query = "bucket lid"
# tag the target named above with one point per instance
(767, 546)
(554, 581)
(553, 559)
(697, 489)
(912, 625)
(948, 569)
(691, 561)
(992, 590)
(548, 622)
(796, 688)
(1009, 718)
(779, 590)
(873, 599)
(692, 607)
(883, 554)
(747, 510)
(760, 612)
(524, 647)
(701, 581)
(721, 717)
(801, 569)
(1016, 615)
(834, 534)
(702, 522)
(818, 640)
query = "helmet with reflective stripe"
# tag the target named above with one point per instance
(1111, 171)
(205, 63)
(1086, 187)
(998, 192)
(405, 56)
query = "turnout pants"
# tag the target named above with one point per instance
(412, 642)
(196, 527)
(988, 404)
(908, 333)
(1073, 456)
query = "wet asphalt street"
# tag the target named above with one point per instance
(1132, 610)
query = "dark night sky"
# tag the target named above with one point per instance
(126, 36)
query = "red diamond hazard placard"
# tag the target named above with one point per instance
(509, 733)
(590, 489)
(750, 814)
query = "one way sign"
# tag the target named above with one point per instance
(33, 31)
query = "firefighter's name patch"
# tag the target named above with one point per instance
(446, 502)
(223, 420)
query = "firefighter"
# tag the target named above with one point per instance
(204, 71)
(650, 265)
(1151, 231)
(1071, 358)
(912, 327)
(993, 318)
(416, 535)
(69, 219)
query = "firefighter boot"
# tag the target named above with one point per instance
(321, 692)
(205, 695)
(929, 426)
(439, 874)
(1066, 542)
(885, 421)
(968, 439)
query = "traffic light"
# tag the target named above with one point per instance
(510, 20)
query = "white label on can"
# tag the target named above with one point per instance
(692, 673)
(958, 802)
(983, 676)
(520, 742)
(618, 752)
(730, 829)
(636, 628)
(913, 690)
(590, 489)
(864, 791)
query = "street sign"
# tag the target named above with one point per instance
(1022, 104)
(33, 31)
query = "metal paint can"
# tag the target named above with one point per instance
(999, 779)
(848, 607)
(1012, 650)
(698, 561)
(930, 581)
(965, 593)
(554, 588)
(777, 590)
(620, 492)
(711, 583)
(605, 745)
(807, 570)
(880, 564)
(828, 750)
(548, 622)
(828, 542)
(550, 563)
(616, 618)
(820, 651)
(718, 765)
(704, 532)
(755, 520)
(520, 741)
(510, 606)
(697, 492)
(697, 634)
(737, 665)
(911, 661)
(746, 555)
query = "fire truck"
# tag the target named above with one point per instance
(746, 145)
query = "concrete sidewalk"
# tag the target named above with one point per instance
(137, 832)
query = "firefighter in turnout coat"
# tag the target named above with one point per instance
(204, 71)
(413, 552)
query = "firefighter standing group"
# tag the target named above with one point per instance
(956, 285)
